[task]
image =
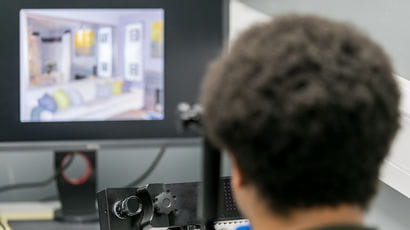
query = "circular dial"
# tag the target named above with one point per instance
(128, 207)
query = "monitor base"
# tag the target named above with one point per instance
(76, 218)
(77, 194)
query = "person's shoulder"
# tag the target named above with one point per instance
(345, 228)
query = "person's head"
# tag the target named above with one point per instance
(306, 108)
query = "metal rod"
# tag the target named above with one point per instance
(210, 189)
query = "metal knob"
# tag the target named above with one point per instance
(165, 203)
(128, 207)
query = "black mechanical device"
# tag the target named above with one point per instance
(184, 205)
(160, 206)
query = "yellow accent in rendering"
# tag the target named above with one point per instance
(157, 32)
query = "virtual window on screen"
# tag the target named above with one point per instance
(91, 64)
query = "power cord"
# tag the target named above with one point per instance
(137, 181)
(49, 198)
(40, 183)
(150, 169)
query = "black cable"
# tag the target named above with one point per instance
(137, 181)
(151, 168)
(49, 198)
(41, 183)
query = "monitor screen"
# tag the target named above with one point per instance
(91, 65)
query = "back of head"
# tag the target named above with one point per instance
(308, 107)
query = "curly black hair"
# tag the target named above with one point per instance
(308, 107)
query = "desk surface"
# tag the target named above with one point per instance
(52, 225)
(42, 212)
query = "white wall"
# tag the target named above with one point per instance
(385, 21)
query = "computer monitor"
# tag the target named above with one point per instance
(103, 71)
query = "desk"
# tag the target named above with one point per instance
(38, 215)
(52, 225)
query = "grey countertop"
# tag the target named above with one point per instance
(52, 225)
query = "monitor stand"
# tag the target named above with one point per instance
(77, 195)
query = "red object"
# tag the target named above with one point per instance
(84, 177)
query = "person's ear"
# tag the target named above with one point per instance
(237, 178)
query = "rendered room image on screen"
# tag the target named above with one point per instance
(91, 64)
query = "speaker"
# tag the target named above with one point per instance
(77, 194)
